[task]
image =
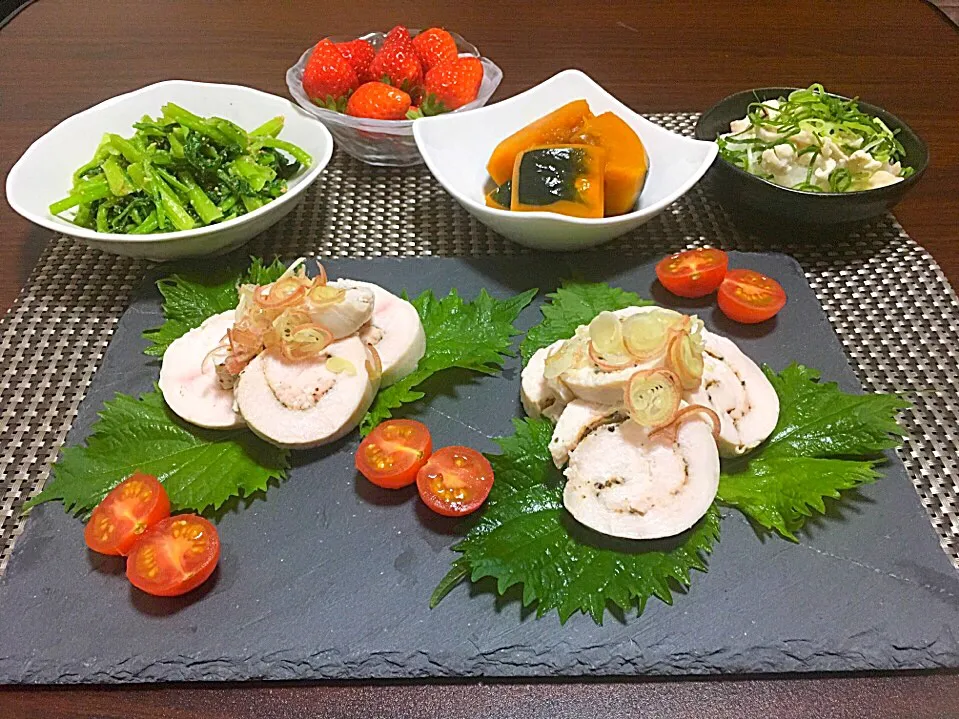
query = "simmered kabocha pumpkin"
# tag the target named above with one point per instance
(566, 179)
(551, 129)
(627, 164)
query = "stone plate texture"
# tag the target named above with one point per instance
(329, 577)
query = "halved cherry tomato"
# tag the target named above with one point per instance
(393, 453)
(693, 273)
(750, 297)
(174, 556)
(455, 481)
(134, 505)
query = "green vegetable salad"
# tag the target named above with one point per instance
(181, 171)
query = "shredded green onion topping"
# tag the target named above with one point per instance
(813, 116)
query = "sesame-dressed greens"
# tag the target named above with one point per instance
(815, 142)
(181, 171)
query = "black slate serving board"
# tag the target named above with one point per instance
(329, 577)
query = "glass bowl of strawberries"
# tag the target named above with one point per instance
(369, 90)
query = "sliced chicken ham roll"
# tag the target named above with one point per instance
(598, 386)
(394, 329)
(538, 396)
(576, 420)
(189, 380)
(606, 386)
(624, 483)
(347, 317)
(702, 395)
(309, 402)
(737, 390)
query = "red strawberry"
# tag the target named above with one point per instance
(359, 53)
(452, 84)
(378, 101)
(434, 46)
(328, 77)
(398, 34)
(396, 62)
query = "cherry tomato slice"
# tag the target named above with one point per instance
(134, 505)
(693, 273)
(174, 556)
(393, 453)
(750, 297)
(455, 481)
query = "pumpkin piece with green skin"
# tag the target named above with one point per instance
(627, 163)
(500, 197)
(565, 179)
(551, 129)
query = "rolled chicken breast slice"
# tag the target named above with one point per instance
(736, 389)
(189, 380)
(394, 329)
(538, 397)
(593, 384)
(347, 317)
(342, 318)
(576, 420)
(306, 403)
(624, 483)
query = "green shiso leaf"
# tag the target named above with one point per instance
(200, 469)
(826, 441)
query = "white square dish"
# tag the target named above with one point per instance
(456, 148)
(43, 174)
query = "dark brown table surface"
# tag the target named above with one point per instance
(61, 56)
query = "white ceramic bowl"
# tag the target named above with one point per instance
(456, 149)
(383, 142)
(44, 174)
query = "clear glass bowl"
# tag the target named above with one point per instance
(383, 142)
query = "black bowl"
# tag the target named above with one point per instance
(763, 204)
